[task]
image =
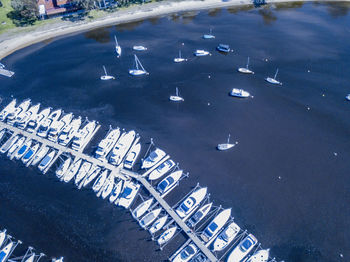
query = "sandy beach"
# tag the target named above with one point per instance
(10, 43)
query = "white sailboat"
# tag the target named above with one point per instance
(225, 146)
(273, 80)
(118, 49)
(176, 98)
(139, 48)
(106, 76)
(348, 97)
(236, 92)
(245, 70)
(158, 224)
(142, 208)
(210, 35)
(166, 235)
(139, 70)
(180, 58)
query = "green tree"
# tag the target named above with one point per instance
(86, 4)
(25, 12)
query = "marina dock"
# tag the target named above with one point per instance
(7, 73)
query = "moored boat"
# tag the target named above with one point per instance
(158, 225)
(242, 249)
(23, 149)
(122, 147)
(128, 195)
(39, 155)
(162, 169)
(63, 168)
(12, 150)
(245, 70)
(24, 117)
(273, 80)
(106, 144)
(23, 107)
(69, 131)
(167, 235)
(261, 255)
(44, 127)
(83, 171)
(83, 136)
(35, 121)
(149, 218)
(199, 215)
(117, 189)
(153, 158)
(6, 252)
(138, 68)
(46, 160)
(223, 48)
(185, 209)
(57, 127)
(91, 176)
(139, 48)
(186, 253)
(108, 186)
(169, 182)
(8, 109)
(30, 153)
(226, 237)
(72, 171)
(142, 208)
(236, 92)
(215, 225)
(132, 155)
(9, 143)
(200, 52)
(99, 182)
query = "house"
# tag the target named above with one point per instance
(51, 8)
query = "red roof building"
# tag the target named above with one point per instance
(51, 8)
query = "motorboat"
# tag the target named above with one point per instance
(12, 150)
(199, 215)
(57, 259)
(215, 225)
(149, 218)
(83, 136)
(348, 97)
(223, 48)
(69, 132)
(158, 225)
(187, 206)
(179, 59)
(176, 97)
(99, 182)
(186, 253)
(63, 168)
(44, 127)
(106, 76)
(225, 146)
(117, 189)
(57, 126)
(2, 237)
(139, 69)
(6, 252)
(46, 160)
(23, 107)
(83, 171)
(9, 143)
(128, 195)
(131, 157)
(169, 182)
(226, 237)
(106, 144)
(153, 158)
(210, 35)
(72, 171)
(273, 80)
(118, 48)
(122, 147)
(200, 257)
(261, 255)
(201, 52)
(24, 117)
(39, 155)
(167, 235)
(236, 92)
(8, 109)
(27, 157)
(139, 48)
(245, 70)
(242, 249)
(142, 208)
(2, 133)
(91, 176)
(37, 120)
(23, 149)
(108, 186)
(162, 169)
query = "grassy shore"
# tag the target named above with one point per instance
(6, 23)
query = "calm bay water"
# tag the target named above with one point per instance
(283, 180)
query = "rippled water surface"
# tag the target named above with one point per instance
(283, 180)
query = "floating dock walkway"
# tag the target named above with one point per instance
(119, 173)
(7, 73)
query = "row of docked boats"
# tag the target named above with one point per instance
(53, 125)
(8, 245)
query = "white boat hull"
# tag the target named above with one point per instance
(104, 78)
(176, 98)
(273, 81)
(244, 70)
(136, 72)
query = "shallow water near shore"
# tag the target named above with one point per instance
(287, 179)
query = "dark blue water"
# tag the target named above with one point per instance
(283, 180)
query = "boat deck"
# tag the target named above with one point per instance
(7, 73)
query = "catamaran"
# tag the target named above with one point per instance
(118, 49)
(179, 59)
(106, 76)
(200, 52)
(139, 48)
(139, 70)
(239, 93)
(245, 70)
(242, 249)
(273, 80)
(176, 98)
(210, 35)
(225, 146)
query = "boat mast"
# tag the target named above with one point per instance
(276, 73)
(179, 53)
(228, 139)
(138, 62)
(177, 91)
(248, 63)
(104, 69)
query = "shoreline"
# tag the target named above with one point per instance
(24, 39)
